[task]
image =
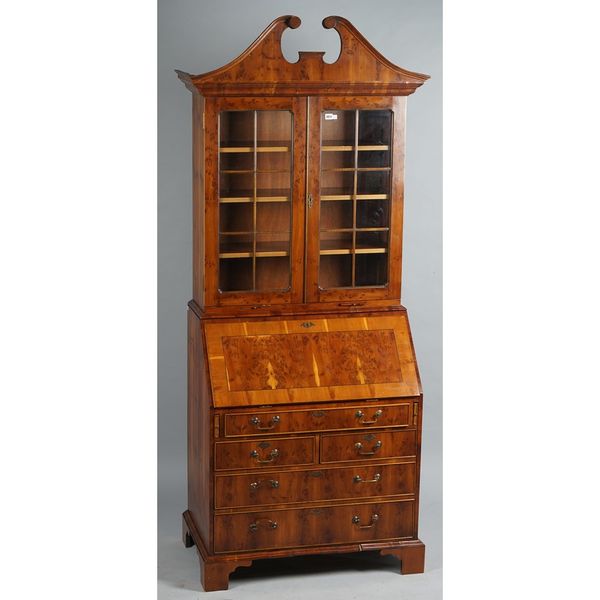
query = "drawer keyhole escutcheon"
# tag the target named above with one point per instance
(359, 479)
(266, 522)
(270, 425)
(359, 446)
(272, 456)
(273, 483)
(374, 519)
(360, 414)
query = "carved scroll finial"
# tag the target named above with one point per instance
(262, 70)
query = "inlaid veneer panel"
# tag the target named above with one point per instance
(266, 362)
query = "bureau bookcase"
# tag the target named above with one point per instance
(304, 399)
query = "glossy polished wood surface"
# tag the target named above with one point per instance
(267, 529)
(298, 421)
(304, 397)
(313, 485)
(310, 360)
(262, 69)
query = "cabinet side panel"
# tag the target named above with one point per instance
(198, 197)
(199, 455)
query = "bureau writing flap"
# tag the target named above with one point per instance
(310, 360)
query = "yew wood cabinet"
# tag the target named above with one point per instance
(304, 403)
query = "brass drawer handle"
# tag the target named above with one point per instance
(359, 479)
(359, 446)
(360, 414)
(273, 483)
(273, 455)
(271, 424)
(267, 522)
(374, 519)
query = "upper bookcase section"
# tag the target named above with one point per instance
(262, 70)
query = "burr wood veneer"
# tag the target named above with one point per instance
(304, 398)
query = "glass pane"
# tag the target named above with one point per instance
(273, 273)
(235, 274)
(371, 269)
(337, 160)
(273, 186)
(338, 130)
(274, 130)
(373, 241)
(335, 271)
(337, 185)
(236, 187)
(236, 129)
(372, 213)
(374, 127)
(255, 193)
(336, 214)
(236, 245)
(355, 197)
(336, 242)
(373, 183)
(235, 218)
(236, 161)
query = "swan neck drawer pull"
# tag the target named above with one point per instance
(374, 519)
(266, 522)
(360, 414)
(270, 425)
(359, 446)
(273, 455)
(359, 479)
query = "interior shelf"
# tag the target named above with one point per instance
(342, 194)
(263, 250)
(264, 195)
(271, 146)
(341, 146)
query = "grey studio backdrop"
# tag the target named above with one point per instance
(197, 36)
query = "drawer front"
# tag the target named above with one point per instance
(290, 528)
(256, 454)
(300, 421)
(237, 491)
(373, 445)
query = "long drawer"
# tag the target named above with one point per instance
(302, 421)
(365, 446)
(264, 453)
(364, 522)
(340, 483)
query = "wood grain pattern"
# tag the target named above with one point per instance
(279, 487)
(199, 440)
(393, 444)
(274, 451)
(312, 373)
(262, 70)
(304, 397)
(318, 419)
(299, 360)
(313, 526)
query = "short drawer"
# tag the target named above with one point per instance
(338, 483)
(372, 445)
(263, 453)
(291, 528)
(318, 419)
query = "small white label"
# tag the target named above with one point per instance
(330, 117)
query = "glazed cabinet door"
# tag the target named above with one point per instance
(255, 195)
(355, 198)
